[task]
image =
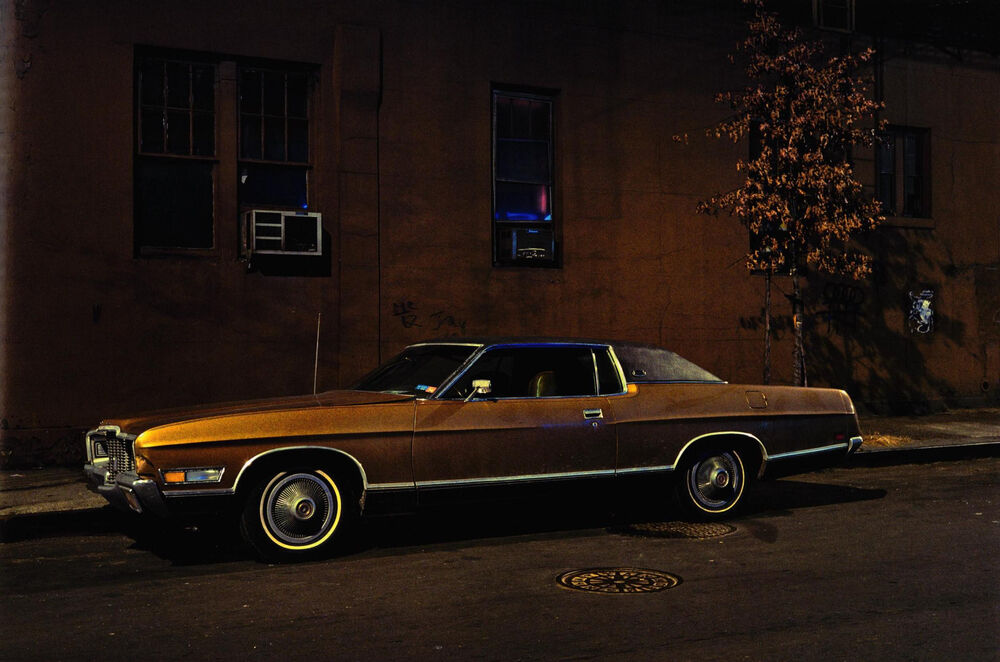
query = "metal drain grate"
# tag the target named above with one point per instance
(618, 580)
(695, 530)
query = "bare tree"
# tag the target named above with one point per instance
(803, 112)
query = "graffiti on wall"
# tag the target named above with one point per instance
(921, 318)
(438, 322)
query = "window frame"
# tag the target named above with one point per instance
(142, 157)
(551, 224)
(820, 15)
(308, 72)
(446, 391)
(894, 139)
(225, 160)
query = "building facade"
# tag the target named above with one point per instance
(209, 201)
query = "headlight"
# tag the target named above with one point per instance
(199, 475)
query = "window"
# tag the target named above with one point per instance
(834, 14)
(274, 138)
(175, 160)
(532, 372)
(179, 147)
(609, 381)
(523, 232)
(903, 172)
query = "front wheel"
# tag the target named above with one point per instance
(713, 484)
(296, 514)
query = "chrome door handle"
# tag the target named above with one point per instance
(593, 413)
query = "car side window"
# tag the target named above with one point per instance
(609, 379)
(531, 372)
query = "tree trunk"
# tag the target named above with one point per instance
(767, 326)
(801, 379)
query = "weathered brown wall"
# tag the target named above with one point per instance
(402, 175)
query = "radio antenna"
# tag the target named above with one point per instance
(319, 317)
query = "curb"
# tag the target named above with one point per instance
(923, 454)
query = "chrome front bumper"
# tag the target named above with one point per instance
(126, 491)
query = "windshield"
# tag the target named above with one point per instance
(419, 370)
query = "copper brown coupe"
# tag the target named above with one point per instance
(457, 417)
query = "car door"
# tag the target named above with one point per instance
(542, 421)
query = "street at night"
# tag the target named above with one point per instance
(893, 562)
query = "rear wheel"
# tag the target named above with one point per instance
(713, 484)
(296, 514)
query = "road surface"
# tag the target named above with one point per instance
(888, 563)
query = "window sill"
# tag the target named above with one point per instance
(158, 252)
(526, 265)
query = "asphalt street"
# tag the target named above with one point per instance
(862, 563)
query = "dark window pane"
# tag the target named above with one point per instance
(913, 203)
(608, 376)
(834, 14)
(521, 118)
(503, 117)
(151, 131)
(151, 74)
(540, 121)
(204, 87)
(418, 370)
(274, 139)
(273, 84)
(297, 95)
(250, 91)
(531, 373)
(178, 132)
(178, 85)
(911, 155)
(523, 161)
(522, 202)
(273, 185)
(886, 163)
(887, 193)
(250, 145)
(174, 203)
(204, 134)
(298, 140)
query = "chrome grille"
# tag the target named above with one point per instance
(120, 457)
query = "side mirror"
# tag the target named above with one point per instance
(480, 387)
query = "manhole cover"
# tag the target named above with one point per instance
(618, 580)
(697, 530)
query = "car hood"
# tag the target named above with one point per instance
(142, 422)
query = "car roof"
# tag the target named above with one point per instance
(640, 362)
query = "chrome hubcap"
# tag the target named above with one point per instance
(716, 482)
(299, 509)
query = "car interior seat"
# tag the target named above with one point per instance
(543, 384)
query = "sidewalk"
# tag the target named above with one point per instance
(888, 439)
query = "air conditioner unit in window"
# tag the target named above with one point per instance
(283, 232)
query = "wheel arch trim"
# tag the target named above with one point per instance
(728, 433)
(291, 449)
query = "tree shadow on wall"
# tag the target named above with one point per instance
(858, 336)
